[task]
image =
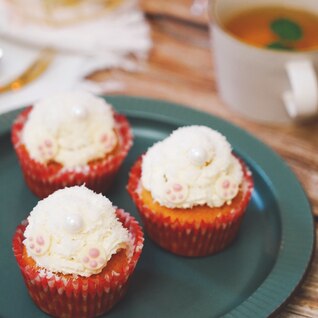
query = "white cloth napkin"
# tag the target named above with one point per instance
(105, 43)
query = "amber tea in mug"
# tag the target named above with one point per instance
(274, 27)
(266, 58)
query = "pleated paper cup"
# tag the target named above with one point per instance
(98, 175)
(76, 296)
(190, 238)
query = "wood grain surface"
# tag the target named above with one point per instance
(180, 69)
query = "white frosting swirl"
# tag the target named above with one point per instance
(69, 128)
(74, 231)
(193, 166)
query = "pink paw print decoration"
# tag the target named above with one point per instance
(176, 192)
(226, 188)
(93, 258)
(108, 140)
(47, 149)
(38, 244)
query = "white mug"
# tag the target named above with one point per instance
(263, 84)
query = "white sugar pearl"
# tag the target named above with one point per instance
(80, 111)
(73, 223)
(198, 156)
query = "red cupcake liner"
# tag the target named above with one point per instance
(190, 238)
(78, 296)
(44, 180)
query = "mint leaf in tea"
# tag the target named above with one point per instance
(286, 30)
(278, 28)
(279, 46)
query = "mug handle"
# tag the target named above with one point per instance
(302, 100)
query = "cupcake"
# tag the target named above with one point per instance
(191, 191)
(70, 139)
(76, 253)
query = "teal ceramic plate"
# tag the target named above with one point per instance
(252, 278)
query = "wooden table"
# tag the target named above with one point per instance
(180, 69)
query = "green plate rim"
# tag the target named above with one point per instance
(296, 251)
